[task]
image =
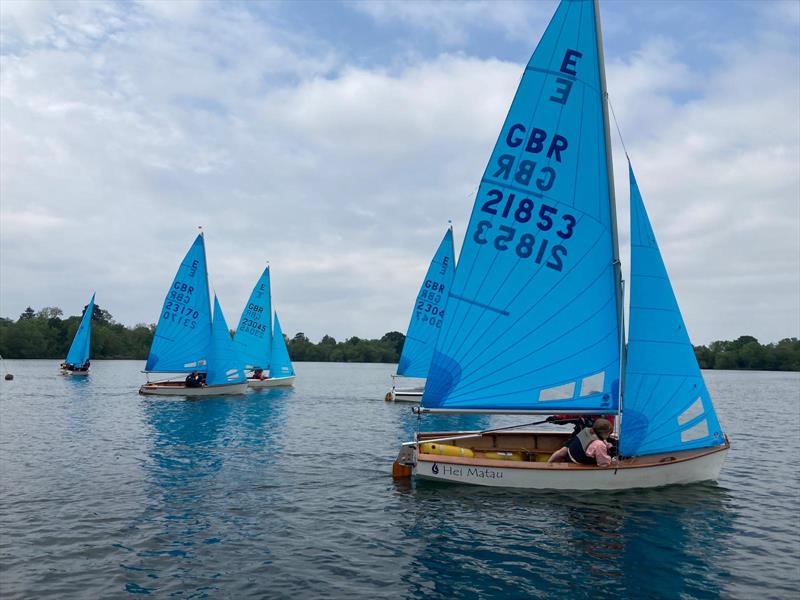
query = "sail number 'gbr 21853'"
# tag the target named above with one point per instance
(523, 211)
(521, 144)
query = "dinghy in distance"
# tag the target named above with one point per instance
(425, 324)
(260, 343)
(77, 364)
(187, 339)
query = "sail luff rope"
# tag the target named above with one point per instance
(616, 124)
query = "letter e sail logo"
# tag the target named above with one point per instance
(435, 469)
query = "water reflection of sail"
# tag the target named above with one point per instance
(185, 439)
(562, 545)
(200, 456)
(678, 538)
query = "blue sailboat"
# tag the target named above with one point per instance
(427, 318)
(254, 333)
(263, 346)
(535, 314)
(186, 340)
(77, 360)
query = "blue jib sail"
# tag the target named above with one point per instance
(281, 363)
(667, 406)
(79, 350)
(532, 314)
(253, 336)
(180, 342)
(224, 363)
(428, 313)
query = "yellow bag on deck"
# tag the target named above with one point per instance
(445, 450)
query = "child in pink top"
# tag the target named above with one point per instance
(598, 450)
(595, 451)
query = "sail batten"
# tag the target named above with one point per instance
(428, 313)
(667, 405)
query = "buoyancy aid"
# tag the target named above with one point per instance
(577, 447)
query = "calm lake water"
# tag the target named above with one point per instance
(288, 494)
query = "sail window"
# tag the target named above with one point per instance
(698, 432)
(593, 384)
(695, 410)
(559, 392)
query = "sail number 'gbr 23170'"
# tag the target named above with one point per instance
(177, 308)
(515, 169)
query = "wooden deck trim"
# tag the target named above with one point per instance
(639, 462)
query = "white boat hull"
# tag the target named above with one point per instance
(406, 395)
(271, 382)
(472, 458)
(173, 388)
(567, 476)
(68, 373)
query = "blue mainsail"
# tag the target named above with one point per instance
(428, 313)
(180, 342)
(281, 363)
(224, 362)
(253, 336)
(532, 318)
(79, 350)
(667, 405)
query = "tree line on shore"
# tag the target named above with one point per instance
(45, 334)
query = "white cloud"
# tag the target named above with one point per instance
(126, 126)
(451, 22)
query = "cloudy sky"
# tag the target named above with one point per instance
(335, 139)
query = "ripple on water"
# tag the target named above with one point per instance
(287, 494)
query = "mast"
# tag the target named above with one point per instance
(612, 205)
(270, 318)
(210, 306)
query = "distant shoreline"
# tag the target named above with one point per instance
(46, 335)
(343, 362)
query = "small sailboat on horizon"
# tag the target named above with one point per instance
(188, 340)
(535, 315)
(426, 322)
(77, 361)
(260, 341)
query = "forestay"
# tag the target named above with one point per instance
(180, 343)
(667, 406)
(224, 363)
(428, 313)
(79, 349)
(253, 336)
(532, 314)
(281, 363)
